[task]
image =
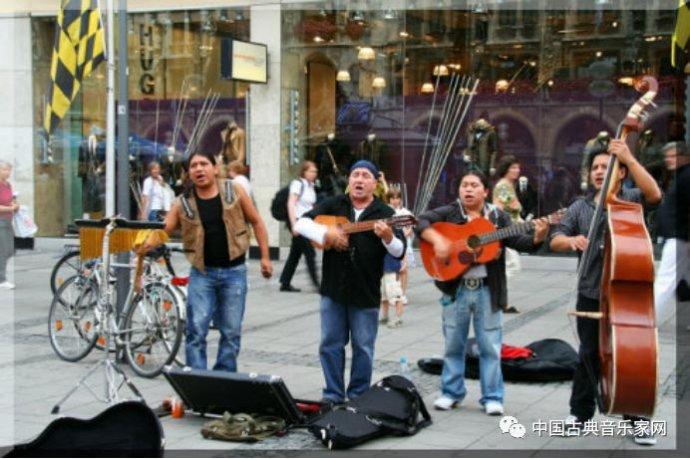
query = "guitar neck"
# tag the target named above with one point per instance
(508, 231)
(360, 227)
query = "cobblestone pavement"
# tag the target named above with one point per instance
(281, 336)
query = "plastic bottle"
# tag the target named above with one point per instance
(405, 368)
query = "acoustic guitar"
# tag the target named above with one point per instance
(476, 242)
(348, 227)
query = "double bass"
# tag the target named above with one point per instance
(628, 345)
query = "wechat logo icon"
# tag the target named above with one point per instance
(510, 425)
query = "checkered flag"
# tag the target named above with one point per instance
(681, 34)
(79, 48)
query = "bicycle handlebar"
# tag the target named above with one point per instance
(119, 223)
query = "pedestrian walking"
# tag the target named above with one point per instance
(8, 207)
(301, 200)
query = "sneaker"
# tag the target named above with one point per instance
(573, 426)
(383, 320)
(644, 436)
(404, 299)
(444, 403)
(289, 288)
(7, 285)
(397, 323)
(493, 408)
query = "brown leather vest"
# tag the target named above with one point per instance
(233, 217)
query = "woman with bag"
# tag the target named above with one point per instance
(300, 201)
(505, 198)
(8, 206)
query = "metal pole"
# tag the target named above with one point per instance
(110, 114)
(687, 109)
(123, 207)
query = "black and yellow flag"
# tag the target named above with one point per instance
(79, 48)
(682, 32)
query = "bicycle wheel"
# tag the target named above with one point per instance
(67, 266)
(71, 321)
(152, 330)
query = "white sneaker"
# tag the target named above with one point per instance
(404, 299)
(444, 403)
(573, 426)
(7, 285)
(493, 408)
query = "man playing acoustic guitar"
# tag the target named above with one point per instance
(477, 295)
(351, 281)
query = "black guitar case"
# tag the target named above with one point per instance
(128, 429)
(552, 360)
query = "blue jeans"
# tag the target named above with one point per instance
(339, 324)
(220, 295)
(474, 305)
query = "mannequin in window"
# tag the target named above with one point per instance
(333, 159)
(233, 148)
(373, 149)
(90, 171)
(527, 196)
(482, 147)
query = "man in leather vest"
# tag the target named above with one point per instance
(213, 216)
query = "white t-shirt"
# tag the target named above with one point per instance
(244, 183)
(306, 201)
(153, 190)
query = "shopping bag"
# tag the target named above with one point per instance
(23, 224)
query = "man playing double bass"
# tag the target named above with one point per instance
(571, 236)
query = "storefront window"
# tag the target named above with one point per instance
(179, 101)
(548, 82)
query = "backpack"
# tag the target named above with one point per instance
(279, 209)
(390, 407)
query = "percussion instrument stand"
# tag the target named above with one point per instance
(107, 327)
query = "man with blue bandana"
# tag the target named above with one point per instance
(351, 280)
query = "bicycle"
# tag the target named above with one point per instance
(70, 264)
(149, 328)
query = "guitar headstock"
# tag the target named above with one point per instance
(402, 221)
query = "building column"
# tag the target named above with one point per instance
(265, 150)
(16, 132)
(16, 118)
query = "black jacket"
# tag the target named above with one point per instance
(496, 270)
(353, 277)
(672, 218)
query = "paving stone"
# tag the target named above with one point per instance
(281, 335)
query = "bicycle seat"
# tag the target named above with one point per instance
(158, 252)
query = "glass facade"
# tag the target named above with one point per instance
(178, 101)
(547, 81)
(419, 91)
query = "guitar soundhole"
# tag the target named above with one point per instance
(466, 258)
(473, 242)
